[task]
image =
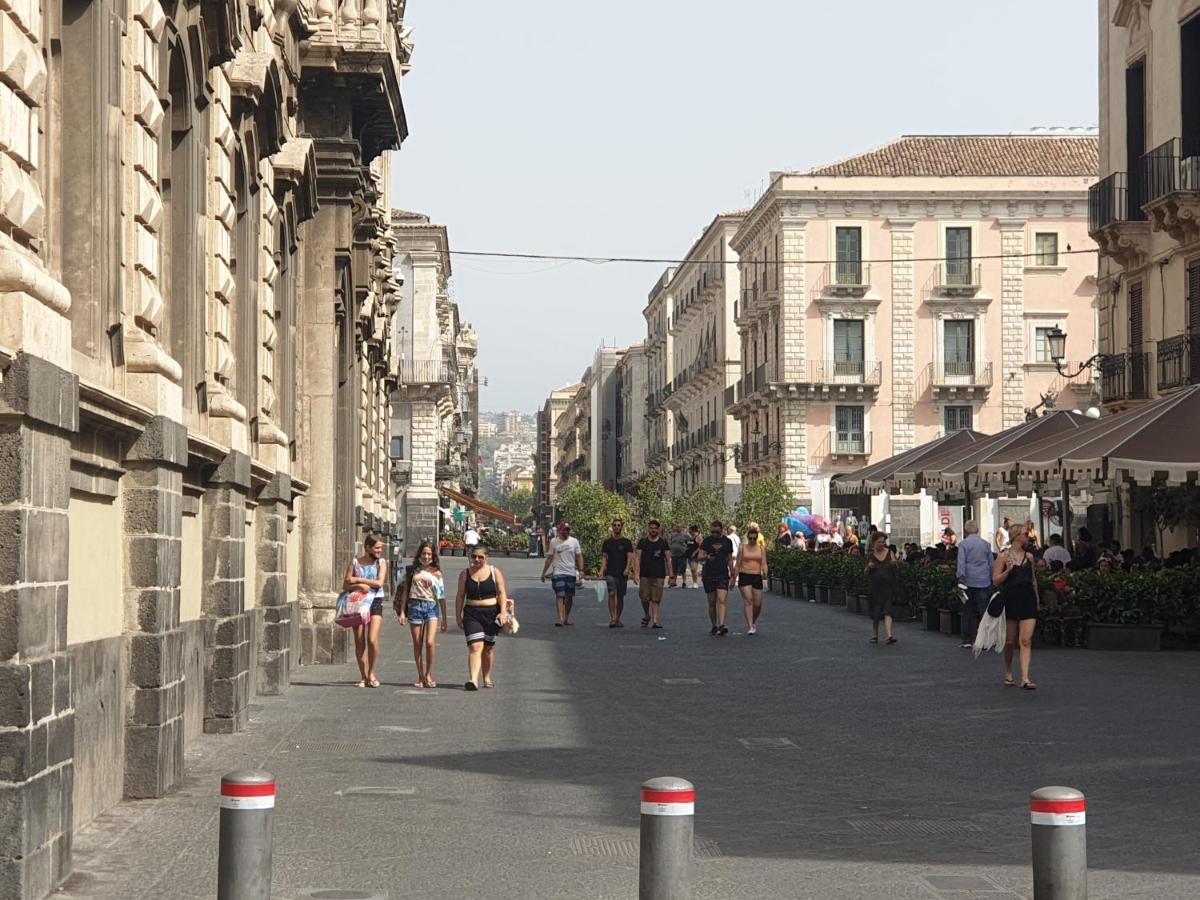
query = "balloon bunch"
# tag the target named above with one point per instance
(800, 519)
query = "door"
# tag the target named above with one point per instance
(958, 359)
(850, 434)
(1135, 140)
(848, 269)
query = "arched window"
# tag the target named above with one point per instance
(245, 271)
(183, 322)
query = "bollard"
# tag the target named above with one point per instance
(244, 853)
(668, 810)
(1058, 818)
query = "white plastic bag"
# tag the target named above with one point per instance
(991, 633)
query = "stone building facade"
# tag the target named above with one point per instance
(906, 292)
(705, 360)
(1145, 208)
(660, 375)
(629, 419)
(547, 452)
(194, 372)
(435, 410)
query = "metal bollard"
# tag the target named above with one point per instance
(244, 854)
(1058, 818)
(668, 812)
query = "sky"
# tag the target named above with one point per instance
(623, 128)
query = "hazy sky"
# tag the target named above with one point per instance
(622, 128)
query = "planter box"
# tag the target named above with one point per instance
(1123, 637)
(822, 593)
(852, 602)
(949, 622)
(864, 607)
(774, 584)
(932, 618)
(837, 597)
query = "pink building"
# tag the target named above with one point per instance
(877, 312)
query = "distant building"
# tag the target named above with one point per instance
(659, 425)
(547, 450)
(846, 361)
(488, 429)
(629, 419)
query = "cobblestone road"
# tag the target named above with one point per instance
(825, 767)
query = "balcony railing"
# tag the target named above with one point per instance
(851, 444)
(845, 278)
(957, 276)
(1117, 198)
(969, 373)
(414, 371)
(1124, 376)
(1178, 361)
(845, 371)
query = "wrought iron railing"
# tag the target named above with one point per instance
(1117, 198)
(970, 373)
(1178, 361)
(1125, 376)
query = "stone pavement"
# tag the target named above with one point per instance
(825, 767)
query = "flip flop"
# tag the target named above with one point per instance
(1028, 686)
(418, 684)
(874, 640)
(373, 683)
(645, 623)
(1008, 682)
(431, 684)
(489, 684)
(558, 624)
(890, 640)
(656, 625)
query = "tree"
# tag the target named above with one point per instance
(591, 508)
(650, 503)
(699, 507)
(765, 501)
(1169, 507)
(519, 502)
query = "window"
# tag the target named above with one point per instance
(958, 256)
(848, 246)
(848, 347)
(959, 347)
(849, 425)
(1045, 245)
(1041, 346)
(956, 418)
(396, 451)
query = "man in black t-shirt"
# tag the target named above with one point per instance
(616, 558)
(650, 569)
(717, 552)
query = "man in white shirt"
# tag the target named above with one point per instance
(734, 538)
(564, 562)
(1002, 540)
(1056, 552)
(471, 539)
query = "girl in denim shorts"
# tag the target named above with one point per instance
(422, 606)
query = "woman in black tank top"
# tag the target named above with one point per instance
(1013, 576)
(482, 607)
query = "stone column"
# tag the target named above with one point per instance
(39, 409)
(279, 616)
(1012, 328)
(421, 498)
(224, 601)
(792, 298)
(903, 368)
(153, 496)
(793, 460)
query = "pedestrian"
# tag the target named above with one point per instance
(1014, 577)
(799, 541)
(783, 537)
(716, 551)
(1034, 541)
(368, 571)
(650, 569)
(693, 549)
(1084, 554)
(734, 538)
(974, 569)
(481, 608)
(883, 587)
(616, 560)
(564, 562)
(751, 567)
(1001, 540)
(679, 555)
(1056, 552)
(421, 605)
(470, 539)
(949, 538)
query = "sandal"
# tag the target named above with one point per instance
(430, 683)
(874, 640)
(1028, 686)
(362, 683)
(646, 622)
(891, 640)
(656, 625)
(418, 684)
(489, 684)
(373, 683)
(1008, 682)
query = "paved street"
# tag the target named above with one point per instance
(825, 767)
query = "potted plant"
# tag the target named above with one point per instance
(1125, 611)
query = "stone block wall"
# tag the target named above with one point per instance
(903, 368)
(1012, 307)
(39, 409)
(274, 656)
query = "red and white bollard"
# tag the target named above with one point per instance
(1058, 820)
(244, 852)
(668, 814)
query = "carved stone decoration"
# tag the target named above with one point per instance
(1126, 242)
(1177, 214)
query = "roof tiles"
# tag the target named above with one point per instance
(973, 155)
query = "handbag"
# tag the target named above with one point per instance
(353, 608)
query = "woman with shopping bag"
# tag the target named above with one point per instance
(1013, 576)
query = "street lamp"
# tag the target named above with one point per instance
(1056, 344)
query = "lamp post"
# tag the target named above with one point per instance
(1056, 346)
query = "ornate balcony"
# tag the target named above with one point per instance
(958, 380)
(1178, 360)
(1124, 376)
(957, 278)
(844, 279)
(1115, 218)
(1171, 173)
(363, 47)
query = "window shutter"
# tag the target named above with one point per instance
(1193, 296)
(1135, 318)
